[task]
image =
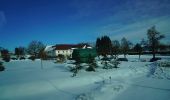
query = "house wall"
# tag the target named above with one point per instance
(51, 53)
(64, 52)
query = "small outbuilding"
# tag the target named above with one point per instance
(84, 54)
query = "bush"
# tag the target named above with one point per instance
(90, 68)
(32, 58)
(122, 59)
(75, 70)
(2, 68)
(154, 59)
(61, 58)
(22, 58)
(13, 58)
(6, 59)
(115, 63)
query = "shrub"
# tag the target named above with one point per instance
(75, 70)
(61, 58)
(154, 59)
(32, 58)
(13, 58)
(22, 58)
(115, 63)
(90, 68)
(6, 59)
(106, 66)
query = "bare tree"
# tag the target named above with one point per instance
(124, 46)
(115, 48)
(35, 47)
(42, 54)
(154, 38)
(137, 48)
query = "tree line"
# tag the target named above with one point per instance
(35, 49)
(104, 45)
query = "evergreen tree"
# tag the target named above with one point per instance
(76, 57)
(17, 52)
(104, 45)
(98, 46)
(20, 51)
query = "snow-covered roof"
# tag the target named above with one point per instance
(89, 47)
(49, 48)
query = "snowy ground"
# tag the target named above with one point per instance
(133, 80)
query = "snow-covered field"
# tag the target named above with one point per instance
(133, 80)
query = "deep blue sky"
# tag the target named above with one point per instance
(74, 21)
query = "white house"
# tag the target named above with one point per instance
(67, 49)
(63, 49)
(50, 51)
